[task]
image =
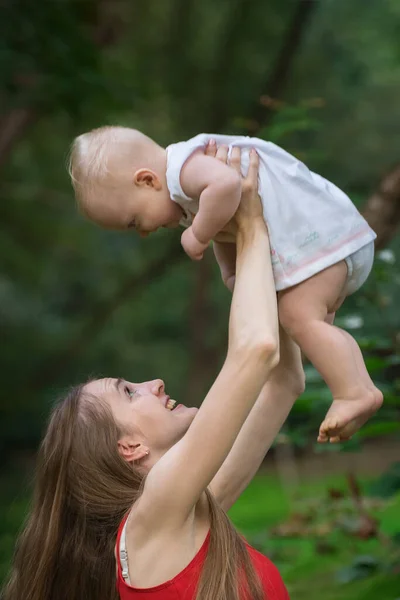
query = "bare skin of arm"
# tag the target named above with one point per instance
(266, 418)
(218, 188)
(224, 244)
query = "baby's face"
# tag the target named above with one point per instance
(144, 210)
(152, 209)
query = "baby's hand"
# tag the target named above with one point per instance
(191, 244)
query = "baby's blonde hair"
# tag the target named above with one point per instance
(102, 159)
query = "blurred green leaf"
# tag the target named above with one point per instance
(361, 567)
(388, 484)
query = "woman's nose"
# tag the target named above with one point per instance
(157, 387)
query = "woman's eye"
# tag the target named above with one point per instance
(129, 392)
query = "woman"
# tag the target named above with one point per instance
(118, 465)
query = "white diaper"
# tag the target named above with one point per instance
(359, 265)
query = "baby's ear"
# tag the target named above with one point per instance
(147, 178)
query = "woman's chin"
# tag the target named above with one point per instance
(182, 409)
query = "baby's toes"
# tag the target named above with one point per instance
(329, 427)
(335, 439)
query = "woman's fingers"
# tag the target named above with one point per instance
(222, 154)
(235, 159)
(211, 148)
(250, 203)
(252, 174)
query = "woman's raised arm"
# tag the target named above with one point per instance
(283, 386)
(176, 481)
(267, 416)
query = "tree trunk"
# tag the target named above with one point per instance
(382, 209)
(217, 119)
(261, 114)
(203, 359)
(13, 126)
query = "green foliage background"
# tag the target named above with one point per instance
(76, 301)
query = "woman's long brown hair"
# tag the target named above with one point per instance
(83, 489)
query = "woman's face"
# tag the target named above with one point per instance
(141, 410)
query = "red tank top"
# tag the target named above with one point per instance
(183, 586)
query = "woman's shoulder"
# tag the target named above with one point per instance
(169, 545)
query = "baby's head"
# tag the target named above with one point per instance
(119, 179)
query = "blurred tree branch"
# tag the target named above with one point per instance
(99, 315)
(382, 209)
(260, 116)
(203, 356)
(217, 110)
(178, 34)
(104, 25)
(13, 126)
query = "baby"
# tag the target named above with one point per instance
(321, 247)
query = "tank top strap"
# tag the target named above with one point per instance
(121, 552)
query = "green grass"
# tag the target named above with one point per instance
(310, 564)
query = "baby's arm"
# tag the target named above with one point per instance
(218, 188)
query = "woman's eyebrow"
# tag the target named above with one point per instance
(117, 383)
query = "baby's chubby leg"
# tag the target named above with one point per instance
(303, 312)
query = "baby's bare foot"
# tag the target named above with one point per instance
(347, 415)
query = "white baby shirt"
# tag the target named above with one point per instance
(312, 224)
